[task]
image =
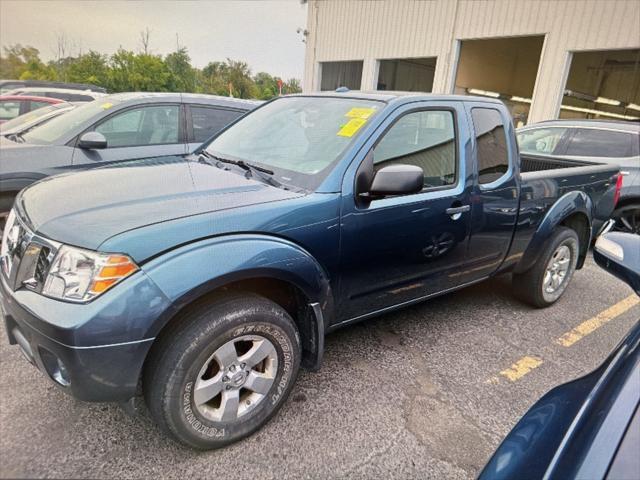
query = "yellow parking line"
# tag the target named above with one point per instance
(588, 326)
(521, 368)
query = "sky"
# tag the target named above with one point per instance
(259, 32)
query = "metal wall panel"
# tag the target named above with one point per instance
(370, 30)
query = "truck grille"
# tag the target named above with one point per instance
(26, 257)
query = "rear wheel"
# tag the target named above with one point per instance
(223, 372)
(627, 219)
(544, 283)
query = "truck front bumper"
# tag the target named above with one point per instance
(69, 344)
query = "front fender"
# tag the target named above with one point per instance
(565, 206)
(9, 183)
(188, 272)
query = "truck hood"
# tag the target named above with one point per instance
(86, 208)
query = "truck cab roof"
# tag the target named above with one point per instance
(398, 96)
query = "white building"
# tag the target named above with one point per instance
(545, 58)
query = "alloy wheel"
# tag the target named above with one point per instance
(236, 378)
(557, 268)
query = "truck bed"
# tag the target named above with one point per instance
(544, 180)
(535, 163)
(545, 177)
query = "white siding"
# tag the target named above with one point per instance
(370, 30)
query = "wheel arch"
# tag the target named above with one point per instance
(290, 277)
(572, 210)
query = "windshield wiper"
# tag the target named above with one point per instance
(16, 137)
(255, 171)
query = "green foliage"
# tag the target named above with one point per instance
(182, 76)
(89, 68)
(24, 63)
(131, 72)
(126, 71)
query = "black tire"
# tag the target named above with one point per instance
(529, 286)
(627, 218)
(176, 362)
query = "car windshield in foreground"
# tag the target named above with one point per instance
(59, 126)
(299, 138)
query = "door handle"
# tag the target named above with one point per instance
(457, 210)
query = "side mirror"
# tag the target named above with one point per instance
(619, 254)
(396, 180)
(92, 140)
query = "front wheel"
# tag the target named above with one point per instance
(544, 283)
(223, 372)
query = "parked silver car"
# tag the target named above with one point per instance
(114, 128)
(607, 141)
(66, 94)
(16, 127)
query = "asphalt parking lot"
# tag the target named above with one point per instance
(427, 392)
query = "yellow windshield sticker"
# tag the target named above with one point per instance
(363, 113)
(351, 127)
(107, 105)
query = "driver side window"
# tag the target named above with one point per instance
(157, 125)
(425, 139)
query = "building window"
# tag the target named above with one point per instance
(603, 84)
(407, 74)
(341, 74)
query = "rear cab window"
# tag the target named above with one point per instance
(491, 144)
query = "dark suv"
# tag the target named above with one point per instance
(613, 142)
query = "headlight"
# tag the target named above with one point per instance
(80, 275)
(9, 239)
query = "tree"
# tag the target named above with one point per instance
(15, 59)
(137, 72)
(91, 68)
(292, 86)
(129, 71)
(267, 86)
(213, 78)
(239, 79)
(182, 76)
(144, 40)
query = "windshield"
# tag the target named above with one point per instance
(299, 138)
(59, 126)
(30, 117)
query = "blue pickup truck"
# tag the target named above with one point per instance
(203, 282)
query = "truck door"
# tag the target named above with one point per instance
(496, 193)
(401, 248)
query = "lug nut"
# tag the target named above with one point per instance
(242, 365)
(232, 368)
(225, 379)
(228, 387)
